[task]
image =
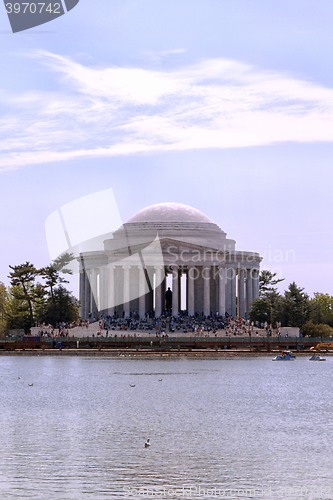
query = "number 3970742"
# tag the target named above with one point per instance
(32, 8)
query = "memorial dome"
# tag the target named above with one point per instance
(169, 212)
(173, 221)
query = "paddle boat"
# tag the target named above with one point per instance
(316, 357)
(284, 356)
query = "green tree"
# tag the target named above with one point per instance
(321, 308)
(267, 282)
(3, 309)
(296, 306)
(62, 306)
(261, 310)
(278, 307)
(22, 279)
(18, 314)
(319, 330)
(52, 273)
(58, 305)
(268, 291)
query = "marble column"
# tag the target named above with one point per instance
(233, 292)
(255, 281)
(87, 293)
(158, 291)
(190, 290)
(228, 291)
(82, 293)
(206, 278)
(142, 292)
(175, 290)
(93, 281)
(111, 289)
(126, 298)
(222, 273)
(101, 289)
(241, 293)
(248, 290)
(163, 290)
(150, 295)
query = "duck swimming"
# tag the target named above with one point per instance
(147, 444)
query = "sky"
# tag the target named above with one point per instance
(223, 105)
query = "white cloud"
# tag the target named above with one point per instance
(125, 110)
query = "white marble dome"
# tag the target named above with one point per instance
(169, 212)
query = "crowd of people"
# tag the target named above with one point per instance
(165, 325)
(60, 329)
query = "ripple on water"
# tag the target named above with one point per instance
(79, 432)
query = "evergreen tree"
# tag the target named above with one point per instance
(22, 279)
(269, 305)
(18, 314)
(261, 310)
(3, 308)
(296, 306)
(61, 306)
(267, 282)
(52, 273)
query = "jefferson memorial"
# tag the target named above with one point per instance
(168, 257)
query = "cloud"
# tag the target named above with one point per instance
(126, 110)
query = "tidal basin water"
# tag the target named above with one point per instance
(223, 427)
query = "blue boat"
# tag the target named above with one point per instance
(315, 357)
(285, 356)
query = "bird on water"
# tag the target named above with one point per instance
(147, 443)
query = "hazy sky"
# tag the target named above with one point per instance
(226, 106)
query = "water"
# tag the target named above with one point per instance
(233, 424)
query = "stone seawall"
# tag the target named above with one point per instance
(149, 354)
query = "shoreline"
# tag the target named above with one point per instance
(149, 354)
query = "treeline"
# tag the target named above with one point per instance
(37, 295)
(294, 308)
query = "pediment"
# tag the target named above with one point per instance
(170, 252)
(181, 246)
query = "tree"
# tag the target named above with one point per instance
(52, 273)
(296, 306)
(268, 294)
(261, 310)
(30, 300)
(3, 308)
(313, 330)
(22, 280)
(62, 306)
(267, 282)
(18, 314)
(278, 307)
(321, 308)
